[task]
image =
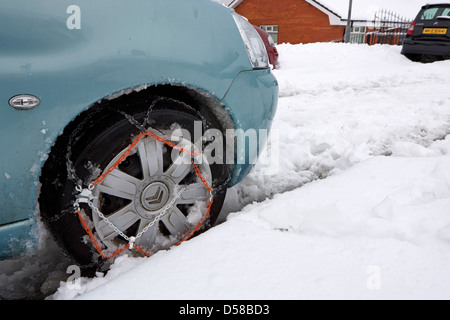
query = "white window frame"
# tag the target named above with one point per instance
(358, 34)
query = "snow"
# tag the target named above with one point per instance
(357, 210)
(342, 104)
(321, 242)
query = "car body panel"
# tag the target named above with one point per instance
(17, 238)
(70, 70)
(421, 47)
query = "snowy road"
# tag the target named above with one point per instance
(360, 205)
(340, 104)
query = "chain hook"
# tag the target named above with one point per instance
(85, 196)
(131, 243)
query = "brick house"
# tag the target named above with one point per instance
(298, 21)
(306, 21)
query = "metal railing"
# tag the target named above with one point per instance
(388, 28)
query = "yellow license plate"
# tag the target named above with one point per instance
(435, 31)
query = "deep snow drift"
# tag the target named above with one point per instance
(379, 230)
(340, 104)
(359, 206)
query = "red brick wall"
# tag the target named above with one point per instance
(297, 20)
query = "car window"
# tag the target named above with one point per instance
(429, 14)
(434, 12)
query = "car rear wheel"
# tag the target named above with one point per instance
(425, 58)
(154, 196)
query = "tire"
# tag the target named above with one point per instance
(412, 57)
(137, 191)
(428, 58)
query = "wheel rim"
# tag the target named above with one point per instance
(133, 199)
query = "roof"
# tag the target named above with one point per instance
(363, 10)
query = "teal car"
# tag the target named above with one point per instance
(115, 120)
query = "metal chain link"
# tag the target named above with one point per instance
(159, 217)
(101, 215)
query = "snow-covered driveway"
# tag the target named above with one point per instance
(369, 131)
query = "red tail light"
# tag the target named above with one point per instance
(411, 29)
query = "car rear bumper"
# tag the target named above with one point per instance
(419, 47)
(16, 238)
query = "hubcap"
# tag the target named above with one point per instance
(135, 200)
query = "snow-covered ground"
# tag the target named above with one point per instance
(370, 130)
(360, 205)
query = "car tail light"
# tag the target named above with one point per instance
(253, 43)
(411, 29)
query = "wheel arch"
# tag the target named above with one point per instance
(203, 103)
(210, 107)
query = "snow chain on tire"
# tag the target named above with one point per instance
(85, 196)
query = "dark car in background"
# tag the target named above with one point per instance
(270, 46)
(428, 37)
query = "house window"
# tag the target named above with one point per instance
(357, 34)
(272, 30)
